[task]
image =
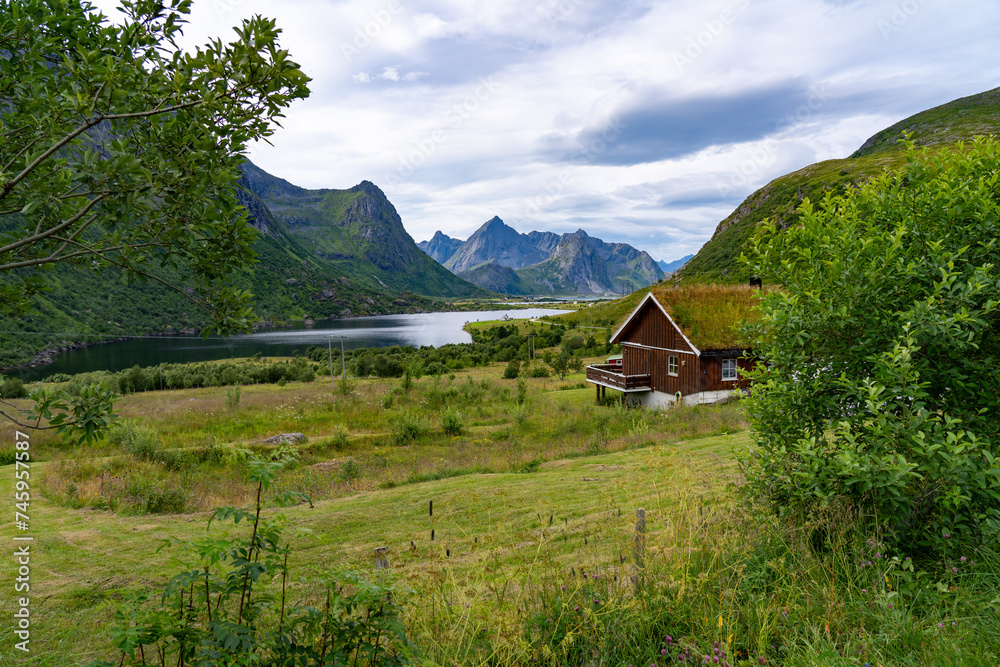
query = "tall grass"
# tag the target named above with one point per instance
(193, 443)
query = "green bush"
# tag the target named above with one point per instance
(881, 387)
(512, 370)
(135, 439)
(451, 422)
(13, 388)
(349, 470)
(233, 395)
(538, 372)
(436, 368)
(339, 440)
(407, 430)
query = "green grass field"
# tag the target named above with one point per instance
(534, 541)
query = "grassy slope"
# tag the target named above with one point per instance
(506, 542)
(88, 559)
(938, 127)
(607, 314)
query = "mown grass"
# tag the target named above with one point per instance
(538, 568)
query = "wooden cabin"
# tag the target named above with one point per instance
(681, 343)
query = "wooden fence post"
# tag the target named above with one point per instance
(381, 560)
(639, 550)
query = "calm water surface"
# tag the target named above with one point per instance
(382, 331)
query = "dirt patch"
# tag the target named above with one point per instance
(74, 537)
(327, 465)
(147, 526)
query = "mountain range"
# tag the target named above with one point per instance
(321, 253)
(670, 267)
(936, 128)
(499, 258)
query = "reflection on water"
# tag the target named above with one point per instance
(432, 329)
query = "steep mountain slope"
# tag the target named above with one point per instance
(935, 128)
(358, 233)
(441, 247)
(290, 279)
(582, 264)
(549, 263)
(492, 276)
(495, 242)
(574, 267)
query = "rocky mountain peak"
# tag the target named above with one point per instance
(369, 188)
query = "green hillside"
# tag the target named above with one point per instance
(356, 233)
(961, 119)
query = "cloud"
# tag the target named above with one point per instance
(659, 126)
(592, 123)
(389, 73)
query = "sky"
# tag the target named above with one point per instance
(643, 122)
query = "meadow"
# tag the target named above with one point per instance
(509, 508)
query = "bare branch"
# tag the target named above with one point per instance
(22, 424)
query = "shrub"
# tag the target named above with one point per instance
(349, 469)
(880, 387)
(13, 388)
(233, 396)
(166, 501)
(407, 429)
(538, 372)
(513, 370)
(522, 391)
(138, 440)
(436, 368)
(451, 422)
(339, 440)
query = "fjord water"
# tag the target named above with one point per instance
(433, 329)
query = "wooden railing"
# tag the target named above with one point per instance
(612, 376)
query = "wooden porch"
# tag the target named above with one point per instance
(607, 376)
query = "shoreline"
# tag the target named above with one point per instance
(47, 356)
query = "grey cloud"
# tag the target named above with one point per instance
(661, 127)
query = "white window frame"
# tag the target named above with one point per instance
(729, 370)
(673, 362)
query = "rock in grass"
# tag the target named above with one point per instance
(285, 438)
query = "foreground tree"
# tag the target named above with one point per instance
(881, 387)
(119, 150)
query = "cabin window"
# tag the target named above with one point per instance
(672, 365)
(728, 369)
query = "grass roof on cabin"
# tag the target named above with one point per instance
(709, 315)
